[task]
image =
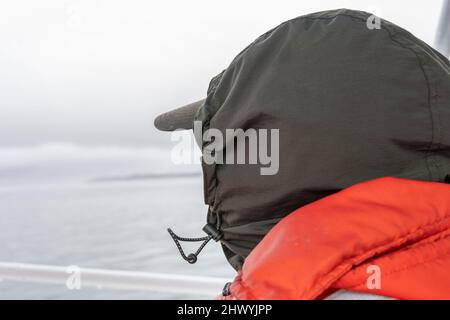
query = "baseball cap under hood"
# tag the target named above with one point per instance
(351, 104)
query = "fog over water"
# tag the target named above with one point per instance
(97, 71)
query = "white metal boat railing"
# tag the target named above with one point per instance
(157, 282)
(74, 278)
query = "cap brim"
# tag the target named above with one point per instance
(180, 118)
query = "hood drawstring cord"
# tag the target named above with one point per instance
(213, 233)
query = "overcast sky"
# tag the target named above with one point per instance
(97, 72)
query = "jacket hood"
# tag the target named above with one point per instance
(351, 104)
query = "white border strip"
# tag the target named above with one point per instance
(442, 42)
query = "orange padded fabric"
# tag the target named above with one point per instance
(401, 226)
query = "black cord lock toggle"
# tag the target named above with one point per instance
(210, 230)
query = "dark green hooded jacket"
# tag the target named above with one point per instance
(352, 103)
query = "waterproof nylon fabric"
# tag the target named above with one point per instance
(401, 226)
(352, 104)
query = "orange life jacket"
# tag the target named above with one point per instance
(389, 237)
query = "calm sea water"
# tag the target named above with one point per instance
(52, 211)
